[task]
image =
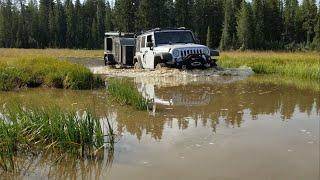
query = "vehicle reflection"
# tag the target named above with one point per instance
(214, 104)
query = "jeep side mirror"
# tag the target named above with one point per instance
(149, 44)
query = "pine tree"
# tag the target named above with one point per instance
(94, 35)
(52, 38)
(309, 18)
(21, 39)
(290, 20)
(1, 24)
(60, 25)
(209, 38)
(200, 11)
(258, 16)
(70, 24)
(152, 14)
(316, 39)
(109, 24)
(228, 37)
(44, 23)
(7, 35)
(125, 15)
(273, 21)
(244, 33)
(100, 16)
(32, 22)
(183, 10)
(79, 35)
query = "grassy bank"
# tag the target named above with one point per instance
(12, 54)
(35, 131)
(125, 93)
(299, 65)
(45, 71)
(302, 84)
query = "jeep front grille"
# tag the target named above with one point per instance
(186, 52)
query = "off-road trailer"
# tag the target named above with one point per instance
(119, 48)
(171, 47)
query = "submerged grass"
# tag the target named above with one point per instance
(300, 65)
(44, 71)
(51, 130)
(124, 92)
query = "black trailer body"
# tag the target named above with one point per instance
(119, 48)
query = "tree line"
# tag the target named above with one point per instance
(224, 24)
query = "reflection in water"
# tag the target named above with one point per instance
(52, 166)
(212, 103)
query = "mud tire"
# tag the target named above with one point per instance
(160, 65)
(138, 65)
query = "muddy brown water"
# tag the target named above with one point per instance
(216, 128)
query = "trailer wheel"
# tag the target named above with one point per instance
(105, 60)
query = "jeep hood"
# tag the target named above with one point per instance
(168, 47)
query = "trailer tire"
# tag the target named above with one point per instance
(105, 59)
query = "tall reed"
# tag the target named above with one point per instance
(49, 130)
(124, 92)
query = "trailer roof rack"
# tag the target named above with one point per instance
(119, 34)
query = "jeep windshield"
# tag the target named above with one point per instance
(173, 37)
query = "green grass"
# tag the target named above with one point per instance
(38, 131)
(302, 84)
(12, 54)
(125, 93)
(48, 72)
(297, 65)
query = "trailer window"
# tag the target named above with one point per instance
(143, 42)
(109, 44)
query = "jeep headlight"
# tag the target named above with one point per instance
(206, 51)
(175, 53)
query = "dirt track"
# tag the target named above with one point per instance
(88, 62)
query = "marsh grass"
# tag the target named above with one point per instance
(13, 54)
(302, 84)
(124, 92)
(299, 65)
(39, 130)
(44, 71)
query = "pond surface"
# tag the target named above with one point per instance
(214, 128)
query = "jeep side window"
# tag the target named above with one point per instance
(143, 42)
(138, 44)
(149, 38)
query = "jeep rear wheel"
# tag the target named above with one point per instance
(160, 65)
(137, 65)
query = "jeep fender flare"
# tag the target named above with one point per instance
(137, 59)
(162, 58)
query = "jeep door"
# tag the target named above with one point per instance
(148, 55)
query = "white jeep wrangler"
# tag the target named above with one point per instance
(173, 48)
